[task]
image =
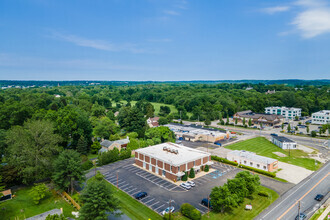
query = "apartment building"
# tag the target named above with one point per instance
(321, 117)
(171, 160)
(287, 113)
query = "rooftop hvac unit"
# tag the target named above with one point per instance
(164, 148)
(176, 151)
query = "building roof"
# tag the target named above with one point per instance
(107, 143)
(250, 114)
(283, 139)
(6, 192)
(43, 216)
(184, 154)
(252, 156)
(326, 112)
(284, 108)
(194, 130)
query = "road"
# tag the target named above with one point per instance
(286, 207)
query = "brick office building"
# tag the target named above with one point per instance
(171, 160)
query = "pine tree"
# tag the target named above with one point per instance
(243, 121)
(250, 122)
(192, 173)
(82, 146)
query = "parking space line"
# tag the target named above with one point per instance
(150, 200)
(154, 178)
(161, 180)
(134, 192)
(154, 203)
(144, 198)
(173, 187)
(200, 211)
(120, 184)
(159, 207)
(124, 189)
(124, 185)
(131, 190)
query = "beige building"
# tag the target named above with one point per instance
(110, 145)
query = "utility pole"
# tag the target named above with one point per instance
(170, 210)
(208, 206)
(180, 116)
(117, 180)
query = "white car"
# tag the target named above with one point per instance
(185, 185)
(168, 210)
(191, 183)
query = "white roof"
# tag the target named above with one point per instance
(324, 112)
(193, 131)
(184, 155)
(251, 156)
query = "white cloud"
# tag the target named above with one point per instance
(273, 10)
(314, 19)
(171, 12)
(96, 44)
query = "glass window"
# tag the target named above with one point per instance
(251, 163)
(264, 167)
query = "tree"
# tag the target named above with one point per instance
(296, 128)
(38, 192)
(98, 110)
(313, 133)
(185, 176)
(238, 187)
(162, 132)
(252, 181)
(250, 122)
(296, 118)
(192, 173)
(98, 200)
(236, 121)
(206, 169)
(244, 121)
(207, 122)
(32, 149)
(227, 122)
(67, 170)
(96, 146)
(82, 147)
(2, 187)
(222, 198)
(307, 129)
(55, 217)
(162, 121)
(282, 126)
(164, 110)
(104, 127)
(289, 128)
(132, 119)
(190, 211)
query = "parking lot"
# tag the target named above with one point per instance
(132, 179)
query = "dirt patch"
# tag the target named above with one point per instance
(292, 173)
(280, 154)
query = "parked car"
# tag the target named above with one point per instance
(273, 134)
(286, 123)
(206, 202)
(319, 197)
(301, 132)
(217, 143)
(185, 186)
(141, 195)
(277, 126)
(168, 210)
(191, 183)
(302, 216)
(309, 121)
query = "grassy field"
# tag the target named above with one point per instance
(156, 106)
(22, 205)
(132, 208)
(263, 147)
(259, 203)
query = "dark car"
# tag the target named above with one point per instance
(141, 195)
(273, 134)
(302, 216)
(285, 123)
(206, 202)
(319, 197)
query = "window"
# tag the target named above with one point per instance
(164, 173)
(265, 167)
(244, 161)
(171, 168)
(194, 163)
(150, 168)
(251, 164)
(178, 168)
(144, 165)
(258, 165)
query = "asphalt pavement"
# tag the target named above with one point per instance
(286, 207)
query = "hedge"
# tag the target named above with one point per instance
(223, 160)
(190, 211)
(87, 165)
(258, 170)
(263, 193)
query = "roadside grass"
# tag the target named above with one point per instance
(317, 214)
(22, 205)
(263, 147)
(259, 203)
(132, 208)
(91, 156)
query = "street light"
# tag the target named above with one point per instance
(169, 205)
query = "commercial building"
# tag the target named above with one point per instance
(198, 133)
(284, 142)
(321, 117)
(253, 160)
(110, 145)
(287, 113)
(258, 118)
(171, 160)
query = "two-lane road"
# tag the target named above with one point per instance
(286, 207)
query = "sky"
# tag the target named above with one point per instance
(164, 40)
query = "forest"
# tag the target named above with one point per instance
(37, 124)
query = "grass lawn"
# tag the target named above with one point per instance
(91, 156)
(263, 147)
(259, 203)
(156, 106)
(132, 208)
(22, 206)
(317, 214)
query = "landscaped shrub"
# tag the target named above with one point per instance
(206, 169)
(184, 177)
(223, 160)
(113, 155)
(192, 173)
(190, 211)
(258, 170)
(263, 193)
(87, 165)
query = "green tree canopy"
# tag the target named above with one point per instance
(67, 169)
(162, 132)
(32, 149)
